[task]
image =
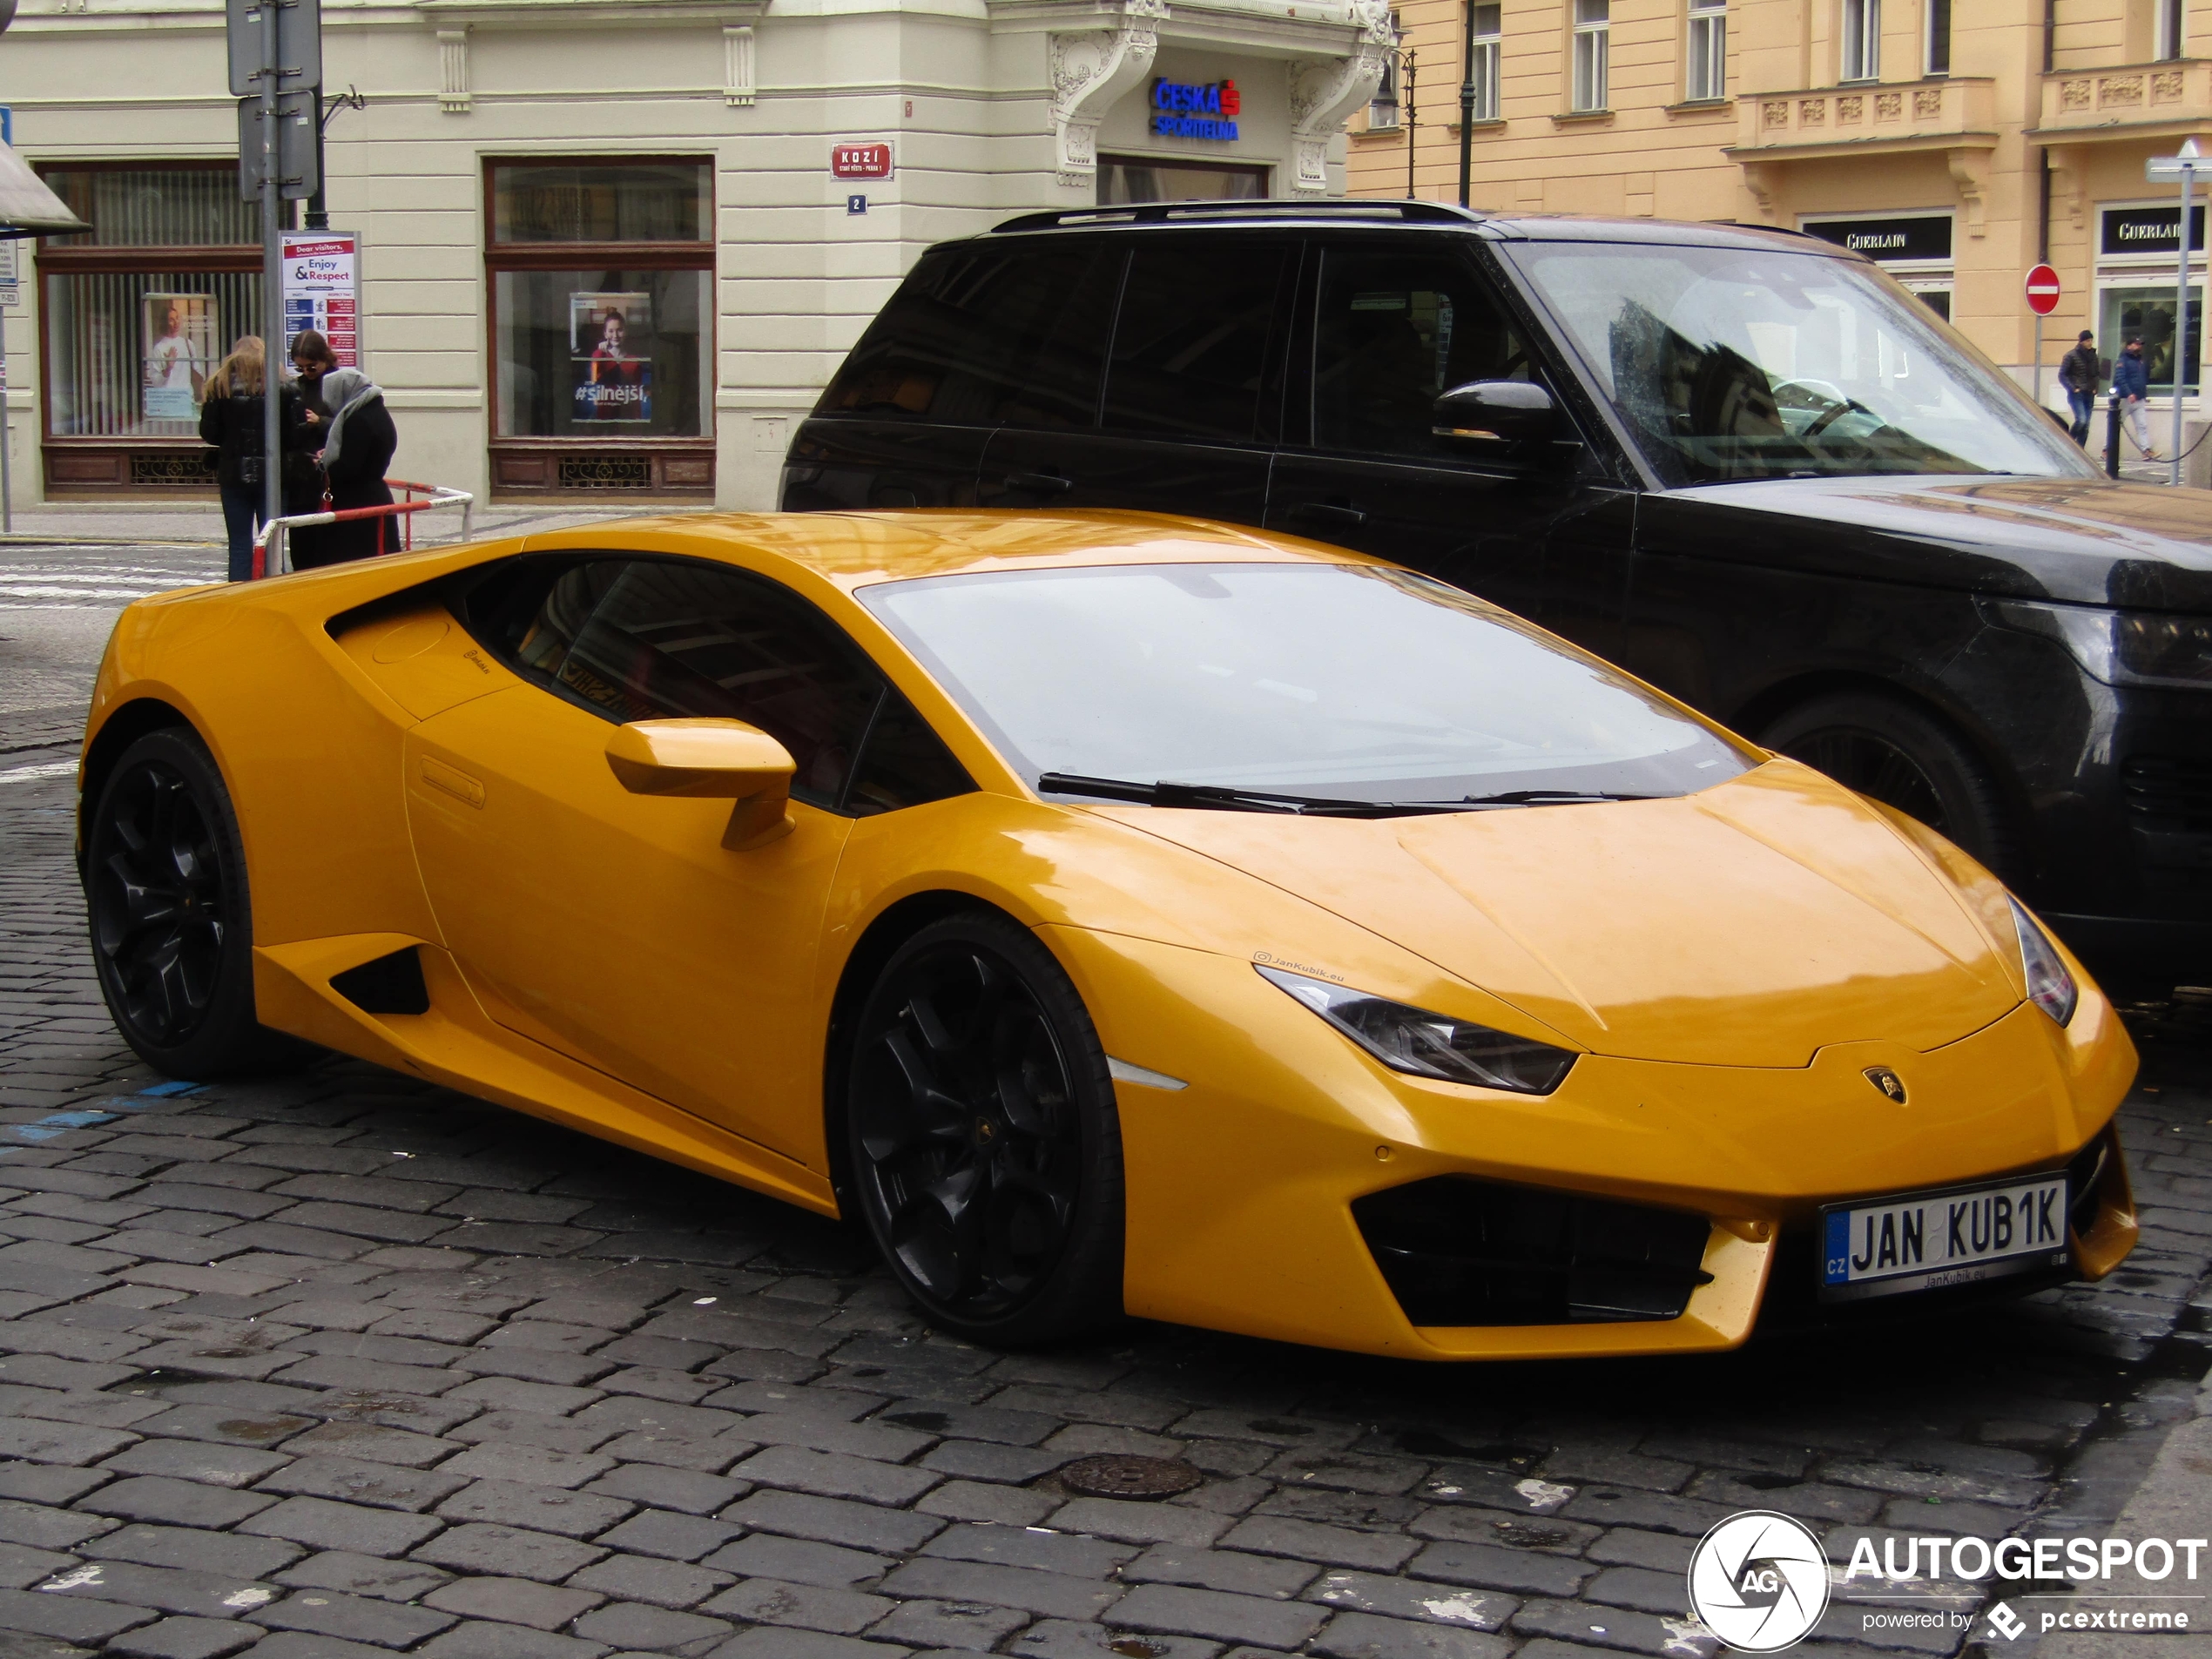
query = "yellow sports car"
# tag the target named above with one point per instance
(1110, 912)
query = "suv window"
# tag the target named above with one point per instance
(1190, 341)
(650, 639)
(1394, 331)
(980, 336)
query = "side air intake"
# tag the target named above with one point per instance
(391, 984)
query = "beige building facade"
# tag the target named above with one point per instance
(538, 183)
(1957, 142)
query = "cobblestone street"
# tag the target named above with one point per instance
(340, 1364)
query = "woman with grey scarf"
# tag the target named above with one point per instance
(355, 455)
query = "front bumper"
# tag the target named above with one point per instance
(1242, 1186)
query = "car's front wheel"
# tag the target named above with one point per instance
(982, 1145)
(172, 925)
(1884, 748)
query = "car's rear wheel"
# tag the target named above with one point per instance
(982, 1143)
(1884, 748)
(172, 923)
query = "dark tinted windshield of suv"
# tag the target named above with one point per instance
(1732, 362)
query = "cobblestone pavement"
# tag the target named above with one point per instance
(340, 1365)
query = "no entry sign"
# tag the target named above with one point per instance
(2043, 291)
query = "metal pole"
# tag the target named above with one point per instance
(2182, 318)
(7, 440)
(318, 215)
(1412, 110)
(272, 279)
(1466, 103)
(2039, 357)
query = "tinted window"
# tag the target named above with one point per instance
(1393, 332)
(980, 336)
(903, 763)
(1190, 341)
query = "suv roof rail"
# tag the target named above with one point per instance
(1409, 212)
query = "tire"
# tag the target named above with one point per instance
(1886, 749)
(981, 1141)
(170, 920)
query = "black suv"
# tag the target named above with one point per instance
(1742, 463)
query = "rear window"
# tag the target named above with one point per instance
(987, 336)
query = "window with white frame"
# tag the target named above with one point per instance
(1592, 42)
(1708, 54)
(1382, 108)
(1489, 28)
(1862, 55)
(1938, 53)
(2170, 31)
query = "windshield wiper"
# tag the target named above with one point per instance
(1218, 799)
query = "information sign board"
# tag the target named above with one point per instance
(322, 291)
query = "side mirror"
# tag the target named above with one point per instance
(711, 761)
(1496, 412)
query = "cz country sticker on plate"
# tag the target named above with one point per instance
(1924, 1240)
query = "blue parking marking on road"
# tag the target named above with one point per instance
(171, 1090)
(29, 1132)
(79, 1120)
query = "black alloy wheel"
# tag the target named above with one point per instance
(981, 1139)
(1904, 757)
(171, 925)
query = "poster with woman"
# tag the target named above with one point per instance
(180, 355)
(610, 358)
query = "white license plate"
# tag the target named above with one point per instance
(1924, 1240)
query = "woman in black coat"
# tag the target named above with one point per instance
(230, 419)
(355, 455)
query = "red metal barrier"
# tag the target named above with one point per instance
(275, 533)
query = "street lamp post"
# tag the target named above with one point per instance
(1466, 103)
(2186, 157)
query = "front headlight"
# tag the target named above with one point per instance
(2118, 647)
(1431, 1045)
(2049, 985)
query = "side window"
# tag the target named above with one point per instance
(903, 763)
(1190, 341)
(979, 335)
(1394, 331)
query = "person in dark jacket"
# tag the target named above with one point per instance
(231, 419)
(2131, 385)
(355, 455)
(2078, 373)
(312, 358)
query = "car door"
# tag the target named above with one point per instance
(616, 928)
(979, 333)
(1386, 326)
(1192, 389)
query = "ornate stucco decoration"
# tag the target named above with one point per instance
(1090, 69)
(1324, 92)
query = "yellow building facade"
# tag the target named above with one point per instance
(1956, 141)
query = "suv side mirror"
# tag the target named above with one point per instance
(1496, 412)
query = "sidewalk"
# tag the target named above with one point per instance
(200, 524)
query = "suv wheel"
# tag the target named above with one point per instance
(1890, 751)
(982, 1138)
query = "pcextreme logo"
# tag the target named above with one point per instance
(1759, 1582)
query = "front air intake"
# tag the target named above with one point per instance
(1461, 1252)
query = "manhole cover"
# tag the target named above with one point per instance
(1128, 1476)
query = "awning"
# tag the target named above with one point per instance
(27, 208)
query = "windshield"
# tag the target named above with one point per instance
(1345, 682)
(1733, 363)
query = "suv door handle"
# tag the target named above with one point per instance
(1045, 483)
(1329, 512)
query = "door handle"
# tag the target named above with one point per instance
(1329, 512)
(1043, 482)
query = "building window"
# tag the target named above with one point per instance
(1489, 43)
(1862, 58)
(1125, 179)
(1382, 108)
(2170, 29)
(1708, 54)
(138, 312)
(1593, 39)
(1939, 36)
(2147, 313)
(602, 279)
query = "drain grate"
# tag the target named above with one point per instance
(1140, 1478)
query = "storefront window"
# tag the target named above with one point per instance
(138, 312)
(2147, 312)
(1123, 179)
(602, 299)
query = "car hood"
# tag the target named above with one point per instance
(1750, 925)
(2082, 541)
